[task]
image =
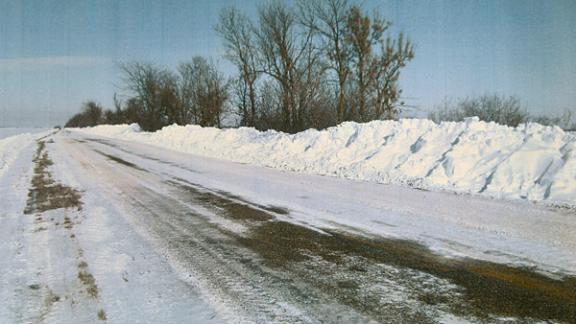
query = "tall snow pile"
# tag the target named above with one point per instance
(530, 161)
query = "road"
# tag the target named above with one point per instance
(123, 232)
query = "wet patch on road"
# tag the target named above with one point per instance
(365, 273)
(144, 156)
(270, 208)
(232, 209)
(46, 194)
(119, 160)
(97, 140)
(477, 289)
(275, 209)
(265, 212)
(487, 288)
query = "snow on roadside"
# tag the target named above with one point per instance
(12, 131)
(10, 148)
(530, 161)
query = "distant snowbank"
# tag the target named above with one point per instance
(530, 161)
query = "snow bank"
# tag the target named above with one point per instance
(10, 147)
(12, 131)
(114, 131)
(530, 161)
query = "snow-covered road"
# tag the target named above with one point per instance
(109, 230)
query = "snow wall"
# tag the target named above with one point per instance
(531, 161)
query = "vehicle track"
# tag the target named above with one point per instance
(239, 254)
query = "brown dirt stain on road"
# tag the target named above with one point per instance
(489, 288)
(119, 160)
(45, 194)
(236, 209)
(88, 280)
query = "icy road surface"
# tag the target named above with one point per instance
(101, 230)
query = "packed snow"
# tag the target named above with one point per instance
(451, 225)
(118, 239)
(13, 141)
(531, 161)
(41, 255)
(10, 148)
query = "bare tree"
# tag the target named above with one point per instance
(203, 92)
(92, 114)
(240, 99)
(362, 34)
(238, 34)
(377, 62)
(270, 112)
(490, 107)
(156, 91)
(115, 116)
(133, 111)
(110, 117)
(328, 19)
(566, 120)
(394, 56)
(325, 52)
(283, 47)
(311, 88)
(188, 85)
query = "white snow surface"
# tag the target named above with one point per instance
(512, 232)
(13, 141)
(10, 148)
(12, 131)
(125, 261)
(135, 283)
(530, 162)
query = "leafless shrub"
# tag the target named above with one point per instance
(92, 114)
(566, 120)
(500, 109)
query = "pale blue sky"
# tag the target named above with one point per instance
(55, 54)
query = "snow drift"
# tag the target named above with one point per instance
(531, 161)
(10, 147)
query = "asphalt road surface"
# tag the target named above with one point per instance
(113, 232)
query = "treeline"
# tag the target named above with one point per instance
(504, 110)
(195, 94)
(312, 64)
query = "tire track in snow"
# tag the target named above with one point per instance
(53, 204)
(355, 151)
(159, 203)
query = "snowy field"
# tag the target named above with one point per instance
(12, 141)
(11, 131)
(529, 162)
